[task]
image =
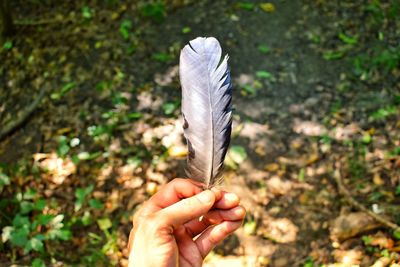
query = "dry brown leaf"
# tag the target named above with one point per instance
(312, 158)
(281, 230)
(381, 241)
(56, 168)
(272, 167)
(348, 225)
(350, 257)
(377, 179)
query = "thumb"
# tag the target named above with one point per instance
(188, 209)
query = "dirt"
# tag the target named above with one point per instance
(285, 184)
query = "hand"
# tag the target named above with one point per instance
(169, 230)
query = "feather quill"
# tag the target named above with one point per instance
(206, 107)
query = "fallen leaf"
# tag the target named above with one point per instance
(378, 179)
(272, 167)
(267, 7)
(312, 158)
(348, 225)
(177, 151)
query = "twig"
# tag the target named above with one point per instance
(10, 127)
(35, 22)
(343, 190)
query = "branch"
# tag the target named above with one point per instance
(343, 190)
(10, 127)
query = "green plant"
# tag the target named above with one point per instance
(170, 107)
(384, 112)
(30, 226)
(155, 11)
(263, 49)
(124, 28)
(65, 89)
(87, 12)
(246, 6)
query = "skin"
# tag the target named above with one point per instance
(181, 224)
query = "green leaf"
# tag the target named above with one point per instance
(8, 45)
(397, 191)
(60, 234)
(86, 12)
(249, 89)
(88, 156)
(309, 263)
(263, 49)
(302, 173)
(124, 28)
(37, 262)
(96, 204)
(134, 161)
(21, 221)
(86, 218)
(34, 244)
(385, 253)
(333, 55)
(19, 237)
(347, 39)
(4, 180)
(29, 194)
(367, 138)
(250, 227)
(81, 194)
(382, 113)
(44, 219)
(156, 11)
(237, 154)
(186, 30)
(104, 223)
(366, 239)
(65, 89)
(26, 207)
(396, 234)
(395, 151)
(246, 5)
(169, 108)
(162, 57)
(264, 74)
(135, 115)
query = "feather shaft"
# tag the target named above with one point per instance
(206, 108)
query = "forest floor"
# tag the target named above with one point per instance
(316, 99)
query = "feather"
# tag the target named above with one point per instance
(206, 108)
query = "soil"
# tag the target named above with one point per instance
(285, 183)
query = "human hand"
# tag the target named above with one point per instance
(169, 230)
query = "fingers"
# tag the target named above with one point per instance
(213, 217)
(227, 201)
(169, 194)
(187, 209)
(213, 235)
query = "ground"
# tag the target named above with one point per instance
(307, 102)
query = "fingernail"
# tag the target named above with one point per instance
(206, 196)
(232, 197)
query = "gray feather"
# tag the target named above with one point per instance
(206, 108)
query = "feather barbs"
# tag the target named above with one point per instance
(206, 108)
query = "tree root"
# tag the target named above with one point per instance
(13, 125)
(352, 201)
